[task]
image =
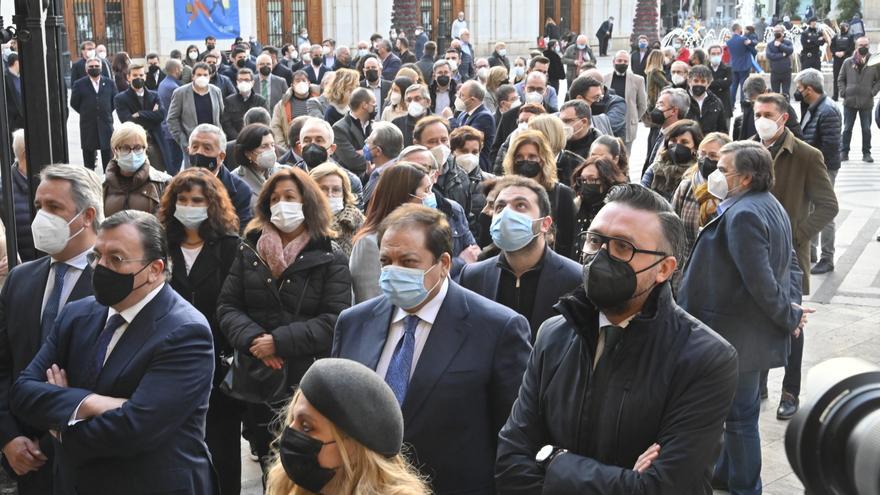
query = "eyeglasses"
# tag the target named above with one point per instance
(619, 249)
(113, 261)
(128, 149)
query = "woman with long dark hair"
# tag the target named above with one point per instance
(121, 63)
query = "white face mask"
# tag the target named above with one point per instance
(245, 87)
(102, 55)
(325, 50)
(301, 88)
(717, 184)
(534, 98)
(193, 55)
(266, 159)
(568, 131)
(678, 79)
(515, 104)
(460, 105)
(336, 204)
(468, 162)
(518, 71)
(90, 54)
(201, 82)
(502, 52)
(287, 216)
(51, 232)
(766, 128)
(453, 65)
(522, 126)
(441, 154)
(191, 217)
(415, 109)
(394, 99)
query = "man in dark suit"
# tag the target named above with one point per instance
(742, 280)
(92, 98)
(316, 69)
(154, 72)
(426, 62)
(278, 69)
(639, 56)
(109, 380)
(472, 112)
(33, 296)
(604, 36)
(527, 277)
(143, 107)
(218, 79)
(390, 62)
(372, 80)
(429, 338)
(14, 103)
(78, 69)
(352, 130)
(721, 78)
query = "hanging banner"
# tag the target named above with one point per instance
(196, 19)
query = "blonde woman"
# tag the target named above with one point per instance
(338, 93)
(130, 183)
(411, 72)
(342, 435)
(530, 155)
(655, 77)
(496, 78)
(347, 218)
(557, 135)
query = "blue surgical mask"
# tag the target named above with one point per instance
(430, 200)
(511, 230)
(368, 156)
(132, 161)
(405, 287)
(643, 44)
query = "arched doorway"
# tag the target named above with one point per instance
(279, 21)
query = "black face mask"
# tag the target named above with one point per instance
(657, 117)
(153, 69)
(680, 154)
(265, 70)
(610, 283)
(137, 83)
(598, 108)
(527, 168)
(372, 115)
(94, 71)
(210, 46)
(298, 453)
(698, 91)
(200, 160)
(863, 50)
(443, 80)
(213, 68)
(591, 194)
(317, 61)
(620, 68)
(314, 155)
(707, 166)
(372, 75)
(798, 96)
(240, 63)
(111, 287)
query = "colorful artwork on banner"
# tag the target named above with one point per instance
(196, 19)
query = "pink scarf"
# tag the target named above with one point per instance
(277, 257)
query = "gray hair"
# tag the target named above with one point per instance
(418, 148)
(387, 136)
(325, 126)
(384, 44)
(752, 159)
(475, 89)
(440, 63)
(173, 65)
(18, 143)
(811, 78)
(536, 74)
(753, 86)
(421, 88)
(679, 100)
(257, 115)
(151, 232)
(210, 129)
(85, 187)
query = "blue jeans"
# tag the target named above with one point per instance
(739, 79)
(740, 461)
(849, 120)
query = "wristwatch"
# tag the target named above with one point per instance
(546, 455)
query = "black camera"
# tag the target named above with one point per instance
(833, 442)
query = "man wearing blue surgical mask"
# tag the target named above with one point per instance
(527, 277)
(454, 359)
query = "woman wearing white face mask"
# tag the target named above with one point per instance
(130, 183)
(347, 218)
(202, 226)
(281, 299)
(395, 104)
(255, 152)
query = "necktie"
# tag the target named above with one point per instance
(264, 88)
(103, 341)
(399, 368)
(612, 338)
(50, 312)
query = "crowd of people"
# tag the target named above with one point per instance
(396, 269)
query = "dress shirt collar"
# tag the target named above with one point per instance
(429, 311)
(604, 322)
(79, 261)
(129, 314)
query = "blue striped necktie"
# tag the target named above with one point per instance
(53, 305)
(400, 366)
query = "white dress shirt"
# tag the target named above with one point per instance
(96, 84)
(427, 315)
(76, 266)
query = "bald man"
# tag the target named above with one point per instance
(268, 85)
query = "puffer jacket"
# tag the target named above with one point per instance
(821, 128)
(670, 380)
(142, 191)
(299, 308)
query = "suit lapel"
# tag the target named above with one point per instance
(491, 278)
(446, 337)
(37, 287)
(83, 287)
(544, 297)
(374, 335)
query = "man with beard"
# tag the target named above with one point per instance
(618, 340)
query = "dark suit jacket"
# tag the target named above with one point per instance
(390, 66)
(739, 282)
(155, 442)
(14, 104)
(283, 72)
(350, 137)
(720, 86)
(463, 386)
(315, 79)
(128, 104)
(559, 276)
(153, 84)
(20, 313)
(483, 120)
(637, 63)
(78, 70)
(95, 112)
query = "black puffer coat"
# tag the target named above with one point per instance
(299, 308)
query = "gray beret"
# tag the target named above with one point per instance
(357, 401)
